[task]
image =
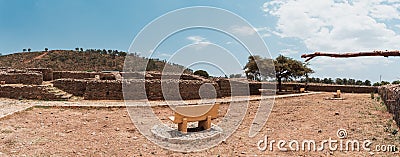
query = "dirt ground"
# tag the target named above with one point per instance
(62, 131)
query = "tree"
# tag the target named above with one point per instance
(289, 68)
(339, 81)
(367, 82)
(201, 73)
(330, 81)
(235, 76)
(376, 84)
(23, 50)
(81, 49)
(122, 53)
(77, 49)
(359, 82)
(46, 49)
(251, 68)
(345, 82)
(384, 83)
(285, 68)
(29, 49)
(151, 65)
(396, 82)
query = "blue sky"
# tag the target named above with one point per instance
(287, 27)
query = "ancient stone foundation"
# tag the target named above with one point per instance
(74, 74)
(390, 95)
(46, 72)
(21, 78)
(332, 88)
(39, 92)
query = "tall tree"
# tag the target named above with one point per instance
(367, 82)
(29, 49)
(288, 68)
(285, 68)
(257, 68)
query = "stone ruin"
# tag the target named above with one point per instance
(46, 84)
(390, 95)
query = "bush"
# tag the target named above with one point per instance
(201, 73)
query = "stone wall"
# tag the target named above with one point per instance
(157, 76)
(332, 88)
(103, 90)
(74, 74)
(46, 72)
(112, 90)
(73, 86)
(26, 92)
(390, 95)
(21, 78)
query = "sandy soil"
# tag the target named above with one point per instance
(57, 131)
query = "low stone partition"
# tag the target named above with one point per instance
(103, 90)
(72, 86)
(46, 72)
(26, 92)
(390, 95)
(332, 88)
(74, 74)
(112, 89)
(22, 78)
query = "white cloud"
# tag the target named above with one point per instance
(199, 41)
(345, 64)
(338, 25)
(266, 32)
(243, 30)
(288, 52)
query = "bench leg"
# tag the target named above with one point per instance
(183, 126)
(206, 124)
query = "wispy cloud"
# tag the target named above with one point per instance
(199, 41)
(243, 30)
(288, 52)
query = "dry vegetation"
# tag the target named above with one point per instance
(68, 60)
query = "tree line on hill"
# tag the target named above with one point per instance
(99, 51)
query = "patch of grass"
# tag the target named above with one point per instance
(372, 95)
(43, 107)
(29, 109)
(381, 107)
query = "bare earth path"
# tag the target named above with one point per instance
(87, 131)
(10, 106)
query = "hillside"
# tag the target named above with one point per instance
(69, 60)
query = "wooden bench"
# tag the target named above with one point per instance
(195, 113)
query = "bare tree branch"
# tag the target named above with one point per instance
(351, 54)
